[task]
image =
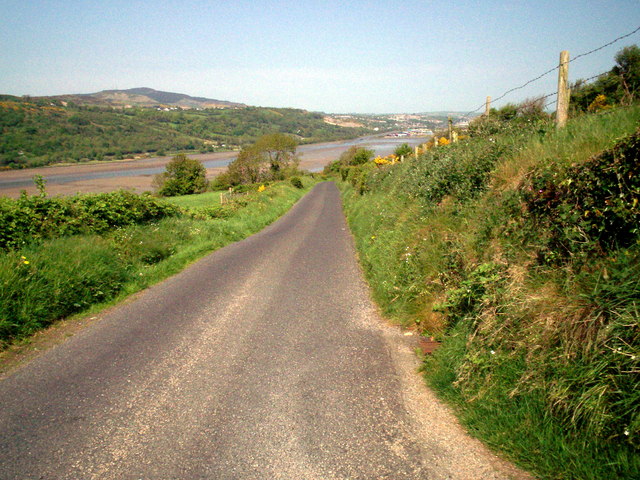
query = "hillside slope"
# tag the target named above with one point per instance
(41, 132)
(520, 248)
(145, 97)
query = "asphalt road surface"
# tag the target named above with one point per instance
(264, 360)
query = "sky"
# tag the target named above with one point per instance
(350, 56)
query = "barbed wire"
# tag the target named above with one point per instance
(546, 105)
(604, 46)
(556, 68)
(581, 83)
(587, 80)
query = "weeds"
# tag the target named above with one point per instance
(519, 248)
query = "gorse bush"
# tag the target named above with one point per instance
(33, 218)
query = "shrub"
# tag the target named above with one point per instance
(183, 176)
(356, 156)
(215, 211)
(403, 150)
(482, 288)
(585, 209)
(296, 182)
(32, 218)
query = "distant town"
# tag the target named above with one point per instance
(402, 124)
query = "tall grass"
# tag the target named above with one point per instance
(51, 279)
(541, 352)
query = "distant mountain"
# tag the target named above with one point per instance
(146, 97)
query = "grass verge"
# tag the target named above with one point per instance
(519, 248)
(51, 279)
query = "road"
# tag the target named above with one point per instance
(264, 360)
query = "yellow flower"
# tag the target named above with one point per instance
(261, 188)
(23, 257)
(26, 262)
(599, 103)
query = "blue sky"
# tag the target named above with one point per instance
(355, 56)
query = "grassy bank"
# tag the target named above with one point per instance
(52, 277)
(519, 249)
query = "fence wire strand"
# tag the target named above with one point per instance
(556, 68)
(603, 46)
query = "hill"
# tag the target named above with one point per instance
(46, 130)
(144, 97)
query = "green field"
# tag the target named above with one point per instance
(202, 200)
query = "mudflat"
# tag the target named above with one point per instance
(137, 174)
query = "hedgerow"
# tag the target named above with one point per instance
(35, 217)
(520, 249)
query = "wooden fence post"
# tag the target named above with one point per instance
(562, 111)
(450, 129)
(487, 106)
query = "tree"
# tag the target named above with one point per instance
(183, 176)
(628, 70)
(403, 150)
(279, 150)
(356, 156)
(248, 167)
(619, 85)
(272, 157)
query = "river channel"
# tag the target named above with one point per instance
(137, 174)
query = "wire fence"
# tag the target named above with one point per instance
(551, 70)
(582, 83)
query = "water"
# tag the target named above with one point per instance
(317, 153)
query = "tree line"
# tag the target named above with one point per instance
(37, 133)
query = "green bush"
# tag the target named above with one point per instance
(183, 176)
(482, 288)
(403, 150)
(585, 209)
(214, 211)
(355, 156)
(33, 218)
(296, 182)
